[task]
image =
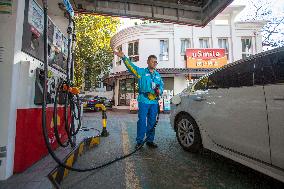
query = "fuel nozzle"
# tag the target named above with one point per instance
(157, 91)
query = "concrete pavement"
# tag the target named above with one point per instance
(168, 166)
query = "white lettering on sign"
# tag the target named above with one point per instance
(205, 54)
(209, 63)
(198, 63)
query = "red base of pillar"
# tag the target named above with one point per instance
(29, 145)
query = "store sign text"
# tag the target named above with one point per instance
(205, 58)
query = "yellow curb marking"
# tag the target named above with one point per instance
(94, 141)
(54, 175)
(69, 163)
(81, 148)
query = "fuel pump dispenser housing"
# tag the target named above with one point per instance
(21, 81)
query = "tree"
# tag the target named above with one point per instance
(93, 54)
(273, 35)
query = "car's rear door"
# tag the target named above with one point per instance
(238, 116)
(274, 92)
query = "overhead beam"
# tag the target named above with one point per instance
(217, 5)
(180, 12)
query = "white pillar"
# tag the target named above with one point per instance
(180, 84)
(11, 41)
(116, 91)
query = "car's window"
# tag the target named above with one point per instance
(201, 84)
(265, 70)
(279, 68)
(214, 80)
(245, 74)
(239, 75)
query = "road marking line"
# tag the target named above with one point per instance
(131, 180)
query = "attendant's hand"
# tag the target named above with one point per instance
(157, 92)
(119, 53)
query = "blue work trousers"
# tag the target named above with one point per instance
(146, 120)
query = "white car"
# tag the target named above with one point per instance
(237, 111)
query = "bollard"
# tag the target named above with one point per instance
(104, 132)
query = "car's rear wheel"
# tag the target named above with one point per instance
(188, 134)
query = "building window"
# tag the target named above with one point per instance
(223, 44)
(184, 44)
(128, 89)
(87, 85)
(98, 84)
(204, 43)
(164, 49)
(121, 94)
(133, 51)
(246, 47)
(108, 87)
(118, 60)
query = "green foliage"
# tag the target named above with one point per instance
(93, 55)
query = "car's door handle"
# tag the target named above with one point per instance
(278, 98)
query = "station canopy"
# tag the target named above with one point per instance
(189, 12)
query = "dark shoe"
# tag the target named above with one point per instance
(152, 144)
(138, 146)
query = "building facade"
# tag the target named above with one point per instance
(169, 42)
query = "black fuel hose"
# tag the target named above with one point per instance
(66, 120)
(55, 127)
(73, 106)
(67, 95)
(44, 128)
(78, 117)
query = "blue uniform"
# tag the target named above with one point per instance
(148, 109)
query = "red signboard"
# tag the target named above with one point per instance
(29, 145)
(205, 58)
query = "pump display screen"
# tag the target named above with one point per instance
(33, 42)
(35, 17)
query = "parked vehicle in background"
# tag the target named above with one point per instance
(238, 112)
(90, 101)
(105, 101)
